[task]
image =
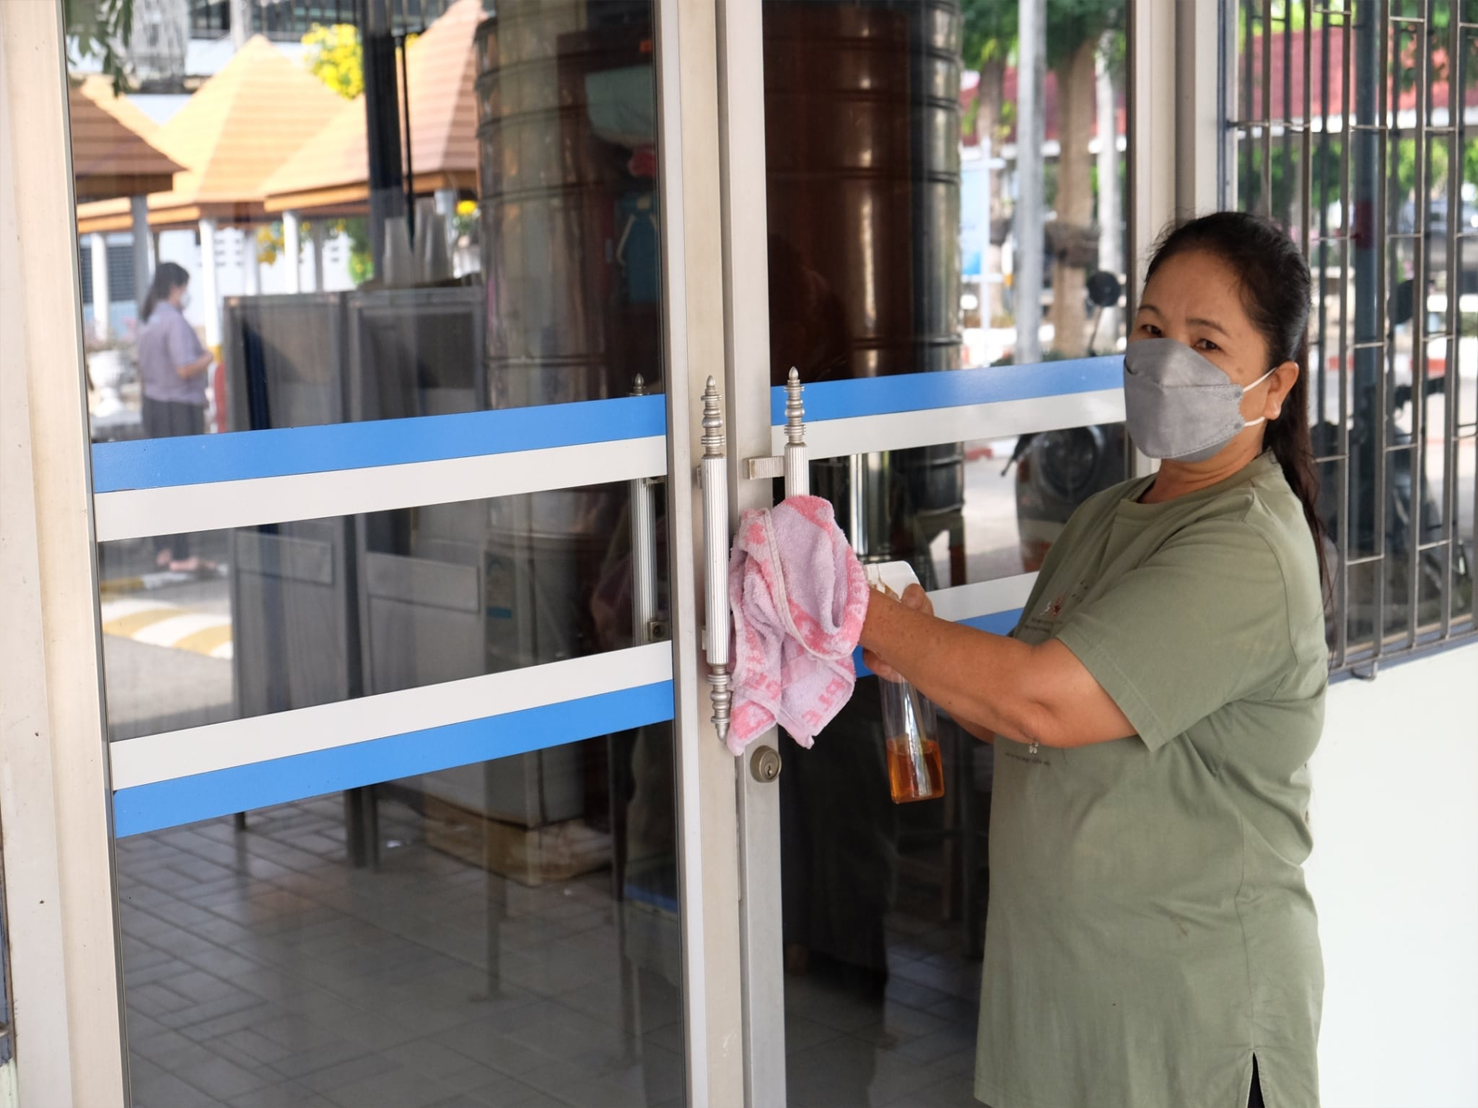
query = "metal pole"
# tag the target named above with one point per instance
(1267, 108)
(382, 124)
(1342, 435)
(320, 236)
(1417, 453)
(1367, 308)
(410, 168)
(1455, 80)
(1029, 221)
(143, 244)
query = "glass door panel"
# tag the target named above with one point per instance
(379, 443)
(955, 419)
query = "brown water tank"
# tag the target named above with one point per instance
(548, 187)
(561, 326)
(862, 145)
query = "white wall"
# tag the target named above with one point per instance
(1394, 874)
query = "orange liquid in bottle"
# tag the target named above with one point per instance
(911, 778)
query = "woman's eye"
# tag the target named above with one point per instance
(1150, 329)
(1206, 344)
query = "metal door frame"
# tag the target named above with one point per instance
(55, 764)
(845, 417)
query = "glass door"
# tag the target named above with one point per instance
(388, 398)
(960, 398)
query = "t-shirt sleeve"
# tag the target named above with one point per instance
(1201, 623)
(182, 344)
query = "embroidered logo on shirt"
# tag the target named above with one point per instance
(1053, 610)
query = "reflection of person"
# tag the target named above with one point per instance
(1150, 939)
(808, 322)
(172, 366)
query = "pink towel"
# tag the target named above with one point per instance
(799, 597)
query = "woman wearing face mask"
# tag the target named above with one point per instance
(172, 365)
(1150, 939)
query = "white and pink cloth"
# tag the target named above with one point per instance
(798, 596)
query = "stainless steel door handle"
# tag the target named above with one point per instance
(714, 478)
(797, 466)
(643, 550)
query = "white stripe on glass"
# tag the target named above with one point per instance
(217, 746)
(836, 438)
(184, 509)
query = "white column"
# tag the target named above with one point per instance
(446, 207)
(1029, 219)
(1152, 76)
(143, 249)
(209, 295)
(251, 275)
(102, 302)
(320, 236)
(1198, 92)
(293, 250)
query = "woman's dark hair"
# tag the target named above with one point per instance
(167, 278)
(1276, 294)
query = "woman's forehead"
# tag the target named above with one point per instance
(1196, 285)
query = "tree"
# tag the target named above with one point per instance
(989, 40)
(1074, 28)
(100, 29)
(335, 57)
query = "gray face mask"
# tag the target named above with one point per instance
(1179, 405)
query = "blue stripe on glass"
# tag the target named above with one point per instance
(285, 451)
(997, 623)
(241, 788)
(917, 392)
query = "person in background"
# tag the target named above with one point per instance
(173, 366)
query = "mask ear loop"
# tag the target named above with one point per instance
(1259, 381)
(1260, 419)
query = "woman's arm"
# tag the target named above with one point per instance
(195, 368)
(1020, 692)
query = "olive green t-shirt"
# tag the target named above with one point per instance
(1149, 930)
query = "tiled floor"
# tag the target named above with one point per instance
(261, 969)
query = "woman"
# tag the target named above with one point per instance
(173, 365)
(1150, 940)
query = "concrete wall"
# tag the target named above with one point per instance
(1395, 876)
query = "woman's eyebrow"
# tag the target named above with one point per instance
(1194, 321)
(1211, 323)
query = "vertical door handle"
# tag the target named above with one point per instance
(797, 467)
(715, 480)
(643, 551)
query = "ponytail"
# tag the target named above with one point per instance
(167, 278)
(1289, 439)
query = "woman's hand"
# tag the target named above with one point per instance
(915, 599)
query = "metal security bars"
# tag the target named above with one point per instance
(289, 20)
(1354, 124)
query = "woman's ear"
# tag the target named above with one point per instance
(1281, 382)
